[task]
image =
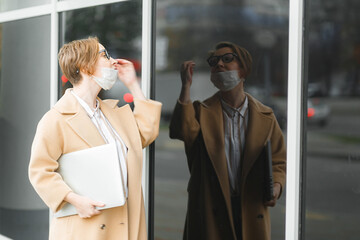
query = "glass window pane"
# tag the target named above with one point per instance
(24, 98)
(187, 31)
(9, 5)
(333, 126)
(118, 27)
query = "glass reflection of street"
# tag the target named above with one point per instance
(186, 30)
(333, 166)
(333, 182)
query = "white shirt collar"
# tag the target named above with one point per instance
(231, 111)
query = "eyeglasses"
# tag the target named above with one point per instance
(226, 58)
(107, 55)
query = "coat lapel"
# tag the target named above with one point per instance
(121, 119)
(258, 131)
(85, 128)
(212, 128)
(79, 121)
(117, 118)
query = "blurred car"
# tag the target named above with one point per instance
(318, 112)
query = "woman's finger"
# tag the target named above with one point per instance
(96, 212)
(98, 204)
(122, 61)
(185, 65)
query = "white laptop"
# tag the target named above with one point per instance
(94, 173)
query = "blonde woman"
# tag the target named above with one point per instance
(80, 120)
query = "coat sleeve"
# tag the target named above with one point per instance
(278, 155)
(45, 151)
(184, 123)
(147, 116)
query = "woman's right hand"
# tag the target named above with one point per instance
(186, 73)
(85, 207)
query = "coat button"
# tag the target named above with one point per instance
(260, 216)
(102, 226)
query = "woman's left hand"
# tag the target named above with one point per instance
(126, 72)
(277, 190)
(127, 75)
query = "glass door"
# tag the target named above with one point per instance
(24, 95)
(333, 120)
(187, 30)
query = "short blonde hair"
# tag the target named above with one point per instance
(79, 55)
(245, 58)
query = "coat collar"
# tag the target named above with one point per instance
(80, 122)
(68, 104)
(213, 101)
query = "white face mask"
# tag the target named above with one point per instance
(108, 79)
(226, 81)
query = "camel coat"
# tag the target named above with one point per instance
(67, 128)
(209, 211)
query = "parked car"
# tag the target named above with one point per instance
(318, 112)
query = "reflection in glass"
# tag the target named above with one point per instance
(9, 5)
(333, 131)
(186, 31)
(118, 27)
(24, 98)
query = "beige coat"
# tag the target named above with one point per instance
(209, 214)
(67, 128)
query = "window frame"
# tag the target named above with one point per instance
(295, 129)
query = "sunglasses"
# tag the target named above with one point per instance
(226, 58)
(107, 55)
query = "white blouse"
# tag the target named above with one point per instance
(235, 122)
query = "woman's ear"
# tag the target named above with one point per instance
(86, 71)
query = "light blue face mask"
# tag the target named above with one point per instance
(108, 79)
(226, 81)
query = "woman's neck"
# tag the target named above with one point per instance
(235, 97)
(87, 90)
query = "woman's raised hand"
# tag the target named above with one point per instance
(126, 72)
(186, 73)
